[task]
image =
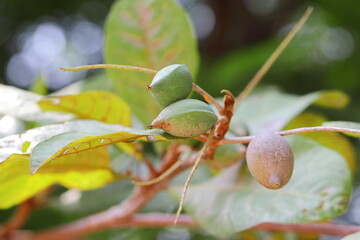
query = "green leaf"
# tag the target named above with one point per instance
(87, 170)
(84, 139)
(39, 86)
(25, 143)
(271, 110)
(97, 105)
(231, 202)
(151, 34)
(102, 106)
(22, 104)
(332, 140)
(333, 99)
(343, 124)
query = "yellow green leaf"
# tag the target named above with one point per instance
(98, 105)
(74, 142)
(39, 86)
(86, 170)
(333, 99)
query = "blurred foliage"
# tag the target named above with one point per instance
(244, 35)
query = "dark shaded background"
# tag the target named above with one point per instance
(235, 38)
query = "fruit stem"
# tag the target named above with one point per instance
(275, 55)
(192, 172)
(169, 171)
(116, 66)
(208, 98)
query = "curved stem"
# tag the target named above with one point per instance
(172, 169)
(291, 132)
(192, 172)
(114, 66)
(275, 55)
(208, 98)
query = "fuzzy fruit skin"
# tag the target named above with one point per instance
(270, 160)
(185, 118)
(171, 84)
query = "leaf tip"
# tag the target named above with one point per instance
(33, 168)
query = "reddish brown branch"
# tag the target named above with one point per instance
(247, 139)
(115, 216)
(314, 228)
(18, 219)
(167, 220)
(171, 156)
(158, 220)
(152, 171)
(222, 125)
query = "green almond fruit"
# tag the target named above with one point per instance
(270, 160)
(185, 118)
(171, 84)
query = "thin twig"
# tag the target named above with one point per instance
(171, 156)
(192, 172)
(265, 68)
(150, 167)
(292, 132)
(165, 174)
(169, 163)
(208, 98)
(115, 66)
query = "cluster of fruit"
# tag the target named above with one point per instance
(181, 117)
(269, 157)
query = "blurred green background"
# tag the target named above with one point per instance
(235, 38)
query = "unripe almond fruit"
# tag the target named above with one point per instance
(185, 118)
(270, 160)
(171, 84)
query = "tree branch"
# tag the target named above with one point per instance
(18, 219)
(167, 220)
(247, 139)
(114, 216)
